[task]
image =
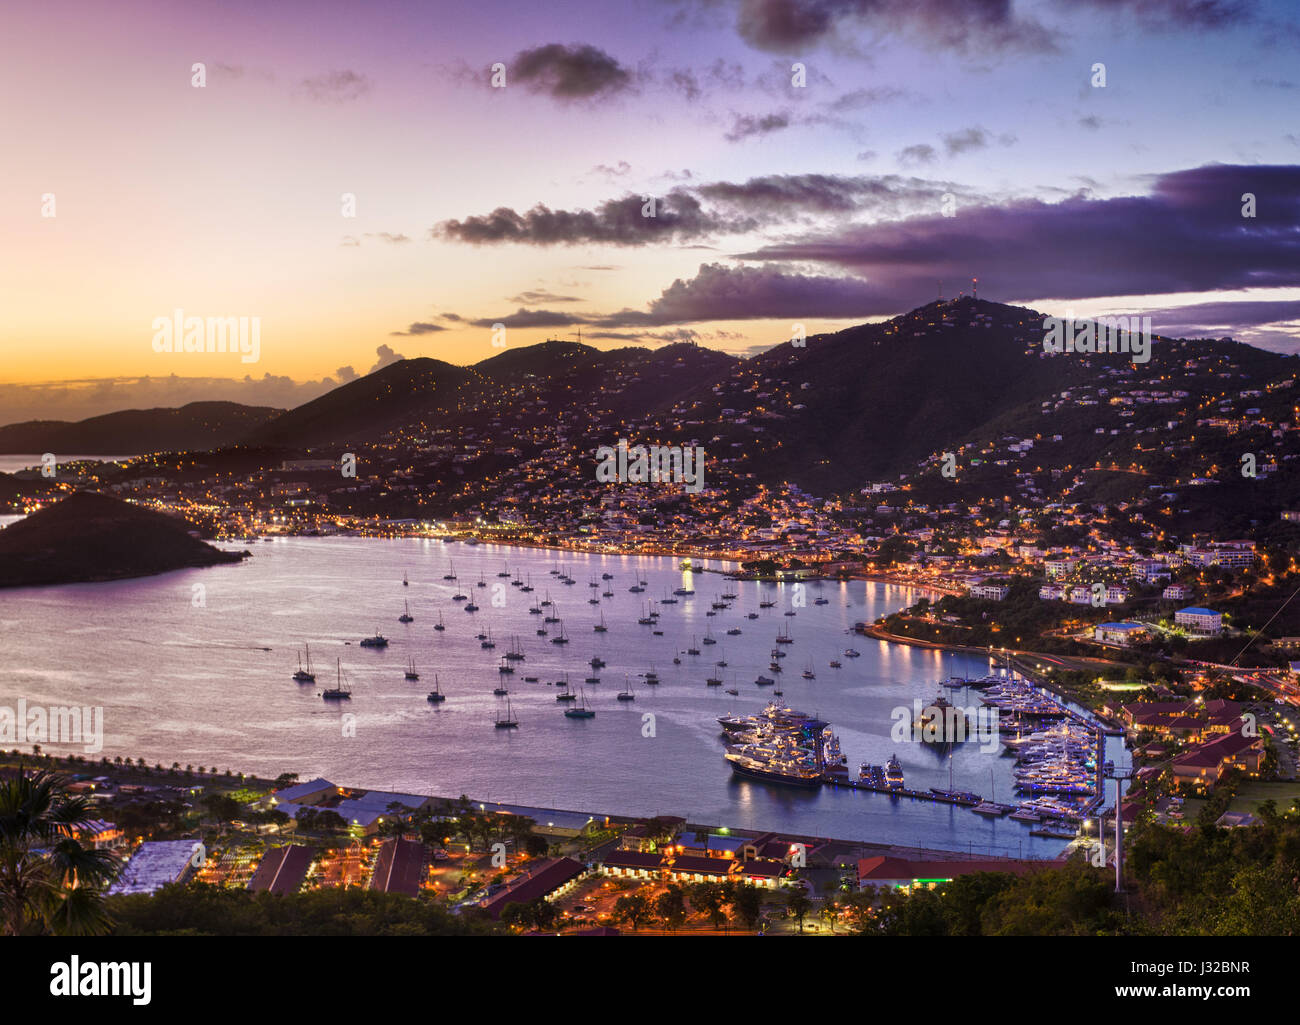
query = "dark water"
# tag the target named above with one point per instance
(188, 682)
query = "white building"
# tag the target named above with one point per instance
(1198, 620)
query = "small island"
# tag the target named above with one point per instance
(88, 537)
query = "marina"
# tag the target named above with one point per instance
(305, 595)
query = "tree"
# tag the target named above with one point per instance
(632, 909)
(60, 888)
(747, 903)
(671, 907)
(797, 905)
(710, 898)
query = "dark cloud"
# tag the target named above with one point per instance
(542, 296)
(345, 374)
(862, 99)
(966, 139)
(1092, 122)
(531, 318)
(683, 217)
(569, 72)
(1187, 235)
(336, 86)
(653, 337)
(618, 170)
(1176, 14)
(745, 126)
(695, 83)
(718, 292)
(1212, 318)
(780, 196)
(420, 328)
(975, 26)
(679, 216)
(921, 153)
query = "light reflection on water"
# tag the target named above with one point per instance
(195, 685)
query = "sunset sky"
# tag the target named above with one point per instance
(474, 205)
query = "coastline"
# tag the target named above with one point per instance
(724, 561)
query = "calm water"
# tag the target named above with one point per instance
(11, 463)
(193, 683)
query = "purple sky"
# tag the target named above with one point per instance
(916, 142)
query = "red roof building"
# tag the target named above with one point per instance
(547, 880)
(400, 868)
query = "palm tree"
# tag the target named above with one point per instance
(48, 880)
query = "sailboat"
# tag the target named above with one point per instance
(500, 691)
(406, 616)
(509, 722)
(626, 693)
(305, 675)
(436, 695)
(338, 692)
(440, 625)
(808, 673)
(561, 639)
(481, 581)
(405, 582)
(411, 674)
(582, 711)
(600, 627)
(451, 571)
(566, 694)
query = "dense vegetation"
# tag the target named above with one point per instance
(202, 910)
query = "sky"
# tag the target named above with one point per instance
(813, 162)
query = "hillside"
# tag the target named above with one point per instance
(90, 537)
(865, 404)
(197, 426)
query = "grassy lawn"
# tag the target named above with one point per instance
(1251, 793)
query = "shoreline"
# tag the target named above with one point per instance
(121, 775)
(735, 572)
